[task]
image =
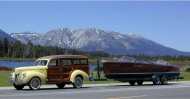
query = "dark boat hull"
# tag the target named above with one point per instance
(139, 75)
(118, 69)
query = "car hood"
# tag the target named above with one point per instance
(29, 68)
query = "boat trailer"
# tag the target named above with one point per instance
(155, 78)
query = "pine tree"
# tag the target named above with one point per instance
(1, 48)
(5, 46)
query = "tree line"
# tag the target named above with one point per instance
(16, 49)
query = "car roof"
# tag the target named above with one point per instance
(63, 56)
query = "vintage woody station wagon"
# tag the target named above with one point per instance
(55, 69)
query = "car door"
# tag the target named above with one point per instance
(67, 68)
(54, 71)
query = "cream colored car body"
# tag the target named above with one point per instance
(26, 73)
(23, 75)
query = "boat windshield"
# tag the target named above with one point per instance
(162, 62)
(40, 63)
(127, 58)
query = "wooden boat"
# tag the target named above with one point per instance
(127, 67)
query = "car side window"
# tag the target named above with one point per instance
(76, 62)
(80, 62)
(54, 62)
(84, 62)
(66, 62)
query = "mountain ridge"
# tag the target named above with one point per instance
(3, 34)
(91, 39)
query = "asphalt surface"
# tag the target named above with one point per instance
(174, 90)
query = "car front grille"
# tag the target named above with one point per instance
(16, 77)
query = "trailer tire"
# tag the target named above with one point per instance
(164, 80)
(156, 80)
(140, 82)
(132, 83)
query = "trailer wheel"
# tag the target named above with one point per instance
(132, 83)
(156, 80)
(60, 86)
(140, 82)
(78, 82)
(164, 80)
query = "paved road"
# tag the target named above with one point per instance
(175, 90)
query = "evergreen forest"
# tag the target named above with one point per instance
(16, 49)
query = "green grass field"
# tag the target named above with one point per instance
(186, 76)
(4, 75)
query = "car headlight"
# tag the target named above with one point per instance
(23, 75)
(12, 74)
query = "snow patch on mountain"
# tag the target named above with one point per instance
(96, 39)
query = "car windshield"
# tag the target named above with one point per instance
(40, 63)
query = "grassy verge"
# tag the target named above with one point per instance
(186, 76)
(4, 75)
(180, 62)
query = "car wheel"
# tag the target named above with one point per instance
(78, 82)
(19, 87)
(35, 83)
(60, 86)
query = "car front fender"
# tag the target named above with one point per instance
(30, 75)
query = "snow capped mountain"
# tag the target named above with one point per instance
(97, 39)
(26, 36)
(133, 35)
(60, 37)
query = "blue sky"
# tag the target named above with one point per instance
(167, 23)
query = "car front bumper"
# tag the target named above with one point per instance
(15, 80)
